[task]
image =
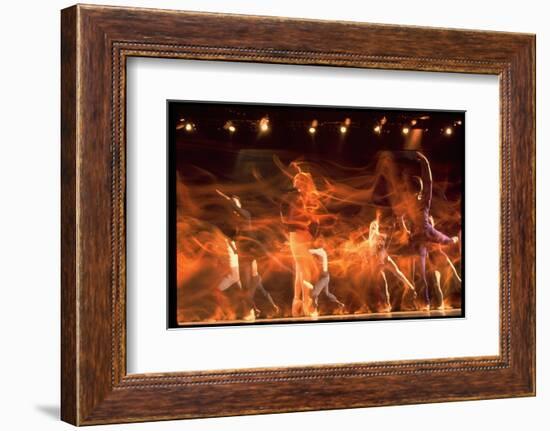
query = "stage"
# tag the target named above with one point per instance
(397, 315)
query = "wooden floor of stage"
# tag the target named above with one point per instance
(395, 315)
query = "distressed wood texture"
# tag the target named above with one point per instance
(95, 42)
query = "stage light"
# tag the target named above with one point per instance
(343, 130)
(264, 124)
(413, 122)
(189, 127)
(449, 131)
(313, 127)
(229, 127)
(459, 122)
(347, 121)
(377, 129)
(405, 130)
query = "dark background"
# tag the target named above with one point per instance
(211, 146)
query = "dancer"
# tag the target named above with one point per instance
(322, 285)
(381, 261)
(231, 285)
(437, 272)
(232, 277)
(302, 217)
(423, 232)
(246, 252)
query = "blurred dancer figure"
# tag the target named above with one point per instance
(423, 232)
(322, 285)
(244, 253)
(381, 261)
(302, 217)
(231, 285)
(437, 270)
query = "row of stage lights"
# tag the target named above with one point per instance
(264, 126)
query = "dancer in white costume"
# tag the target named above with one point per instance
(243, 254)
(232, 277)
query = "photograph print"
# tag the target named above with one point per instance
(295, 214)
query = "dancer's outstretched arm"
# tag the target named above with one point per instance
(426, 175)
(438, 237)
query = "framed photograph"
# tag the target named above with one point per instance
(250, 204)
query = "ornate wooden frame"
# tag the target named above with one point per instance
(95, 43)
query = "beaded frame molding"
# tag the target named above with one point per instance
(95, 43)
